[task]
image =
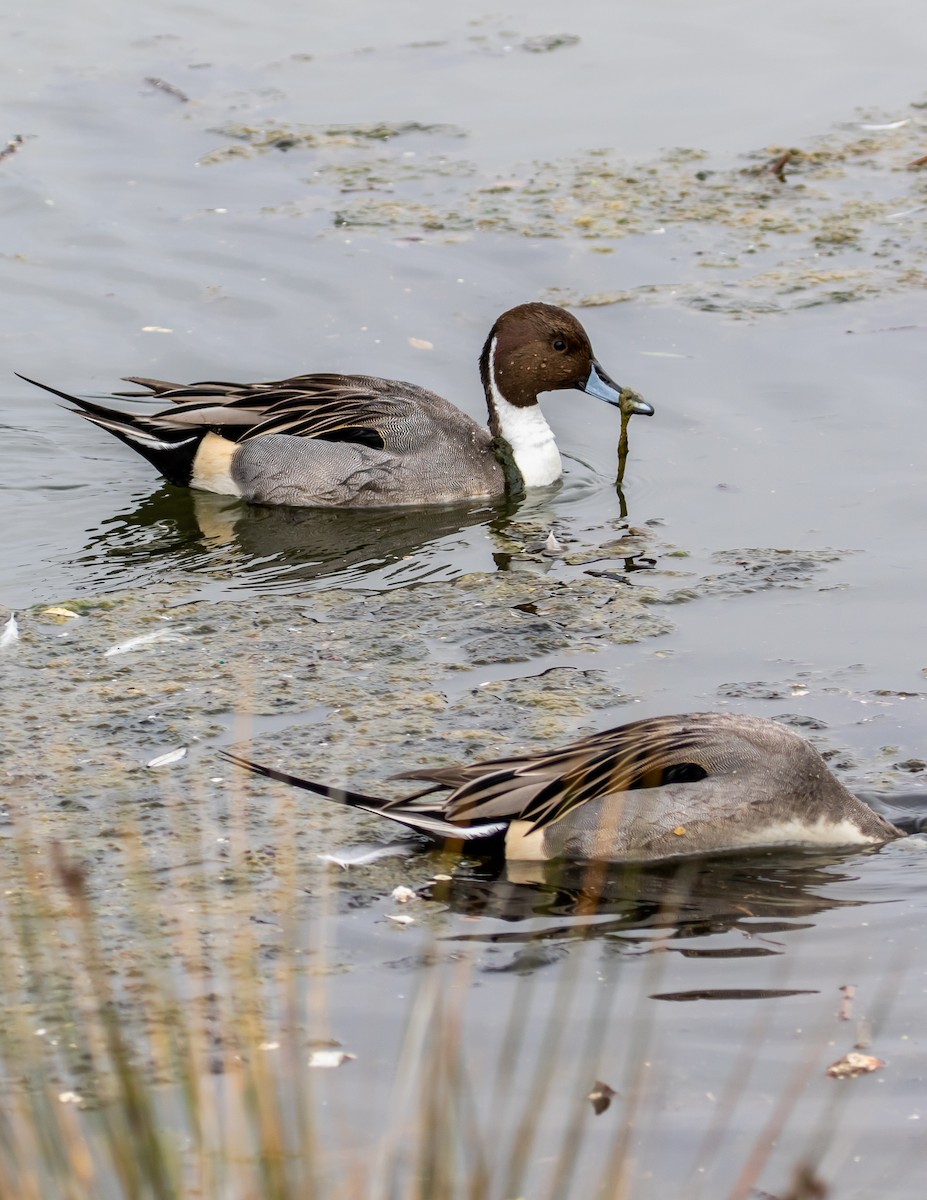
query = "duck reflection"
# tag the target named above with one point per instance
(759, 896)
(175, 529)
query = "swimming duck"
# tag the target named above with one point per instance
(663, 787)
(354, 441)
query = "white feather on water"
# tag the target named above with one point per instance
(164, 760)
(10, 632)
(143, 639)
(328, 1059)
(359, 856)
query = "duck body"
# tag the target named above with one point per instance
(424, 450)
(663, 787)
(357, 441)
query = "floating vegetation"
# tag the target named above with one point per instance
(259, 138)
(769, 221)
(545, 42)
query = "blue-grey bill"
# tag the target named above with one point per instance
(604, 388)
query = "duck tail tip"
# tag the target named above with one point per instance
(339, 794)
(428, 823)
(170, 450)
(46, 387)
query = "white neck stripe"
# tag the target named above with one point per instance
(527, 432)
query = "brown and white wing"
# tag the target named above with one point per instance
(340, 408)
(543, 788)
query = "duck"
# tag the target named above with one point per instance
(356, 441)
(654, 789)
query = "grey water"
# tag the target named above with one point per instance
(147, 232)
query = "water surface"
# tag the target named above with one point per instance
(343, 186)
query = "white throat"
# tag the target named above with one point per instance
(527, 432)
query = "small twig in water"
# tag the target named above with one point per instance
(163, 86)
(777, 166)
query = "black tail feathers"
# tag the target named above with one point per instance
(170, 449)
(403, 812)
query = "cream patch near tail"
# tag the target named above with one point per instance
(523, 843)
(212, 467)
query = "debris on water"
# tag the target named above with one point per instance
(845, 1012)
(420, 344)
(327, 1059)
(906, 212)
(14, 144)
(360, 856)
(533, 546)
(63, 614)
(172, 756)
(552, 546)
(888, 125)
(854, 1064)
(70, 1098)
(403, 894)
(400, 919)
(10, 632)
(848, 990)
(545, 42)
(778, 165)
(601, 1097)
(163, 86)
(143, 640)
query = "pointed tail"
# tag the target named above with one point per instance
(170, 449)
(430, 823)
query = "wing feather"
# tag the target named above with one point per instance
(347, 408)
(545, 788)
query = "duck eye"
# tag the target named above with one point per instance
(560, 344)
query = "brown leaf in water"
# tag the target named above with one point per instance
(601, 1096)
(854, 1064)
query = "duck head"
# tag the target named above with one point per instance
(542, 348)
